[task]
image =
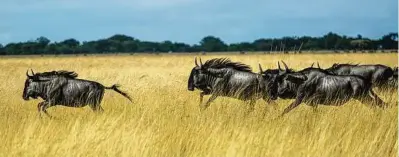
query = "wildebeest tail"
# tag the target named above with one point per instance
(115, 88)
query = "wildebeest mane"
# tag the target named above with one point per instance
(337, 65)
(63, 73)
(219, 63)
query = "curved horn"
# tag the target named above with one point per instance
(285, 65)
(195, 60)
(278, 63)
(32, 72)
(260, 68)
(201, 62)
(312, 65)
(27, 74)
(318, 65)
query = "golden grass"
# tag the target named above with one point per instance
(165, 120)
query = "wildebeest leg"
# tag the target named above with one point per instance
(97, 108)
(271, 102)
(101, 109)
(206, 105)
(373, 98)
(314, 107)
(42, 108)
(251, 106)
(294, 104)
(202, 94)
(39, 108)
(95, 101)
(378, 101)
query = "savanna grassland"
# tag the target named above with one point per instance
(165, 120)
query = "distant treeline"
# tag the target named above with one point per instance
(125, 44)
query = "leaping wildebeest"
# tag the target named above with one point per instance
(378, 74)
(317, 86)
(222, 77)
(63, 88)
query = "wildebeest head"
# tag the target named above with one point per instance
(288, 84)
(278, 71)
(201, 75)
(269, 79)
(33, 86)
(273, 74)
(197, 76)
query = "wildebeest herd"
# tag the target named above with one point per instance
(222, 77)
(312, 85)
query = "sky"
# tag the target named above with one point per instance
(190, 20)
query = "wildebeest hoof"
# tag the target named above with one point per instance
(202, 108)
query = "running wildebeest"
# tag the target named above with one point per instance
(378, 74)
(317, 86)
(63, 88)
(222, 77)
(290, 91)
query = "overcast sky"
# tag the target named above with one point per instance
(190, 20)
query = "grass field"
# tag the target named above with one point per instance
(164, 119)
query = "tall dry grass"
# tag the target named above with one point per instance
(165, 120)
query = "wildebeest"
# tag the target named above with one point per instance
(222, 77)
(317, 86)
(378, 74)
(290, 91)
(63, 88)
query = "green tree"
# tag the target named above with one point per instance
(102, 46)
(181, 47)
(212, 44)
(13, 48)
(166, 46)
(194, 48)
(359, 36)
(360, 44)
(331, 40)
(234, 47)
(130, 45)
(52, 49)
(147, 46)
(73, 43)
(43, 41)
(41, 45)
(117, 42)
(69, 46)
(31, 47)
(389, 41)
(121, 38)
(263, 44)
